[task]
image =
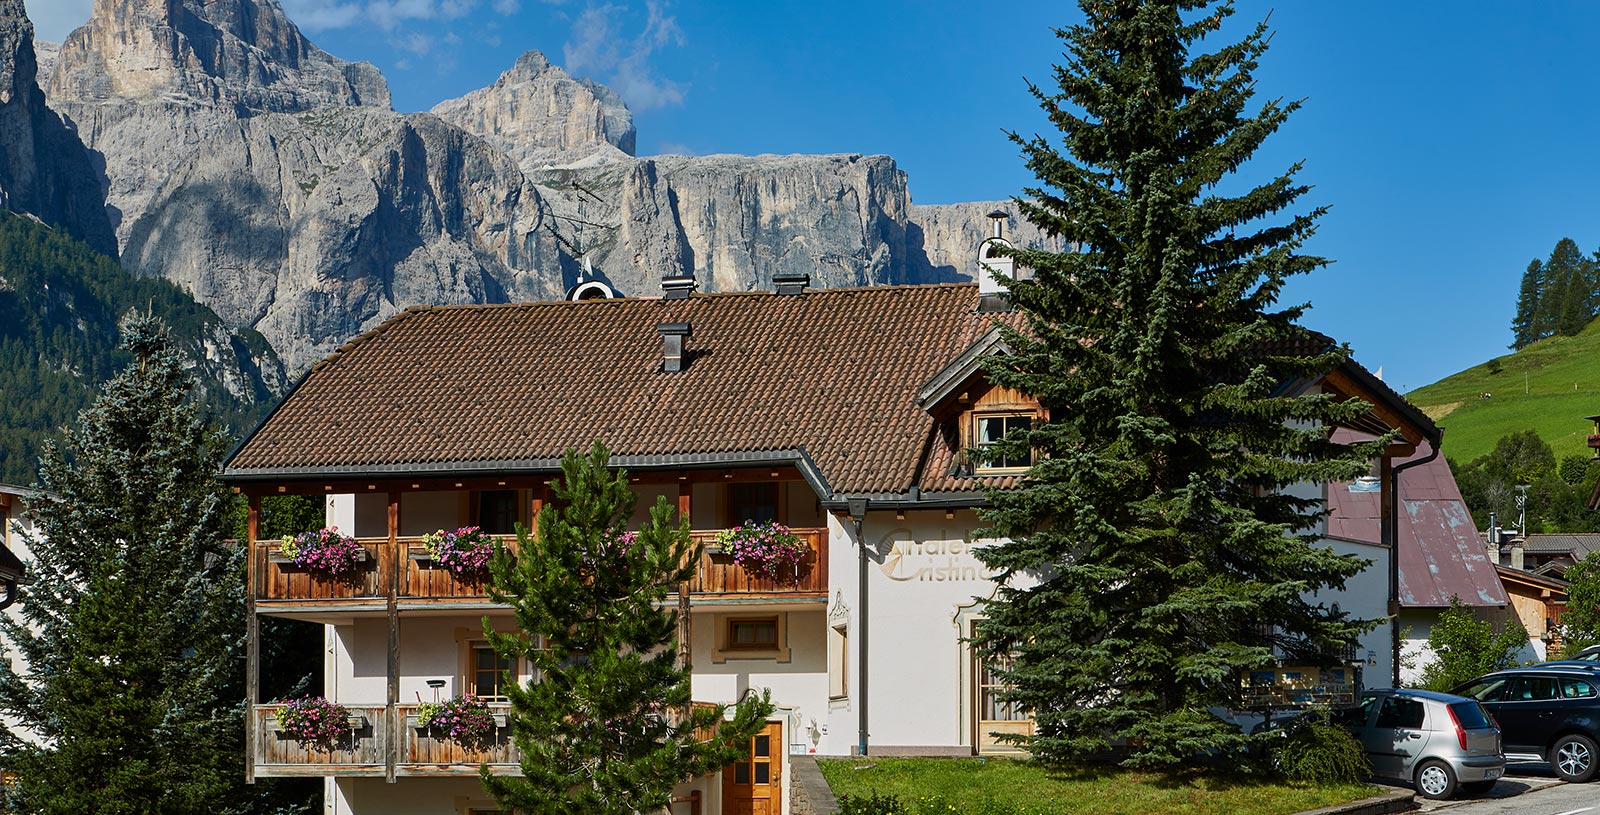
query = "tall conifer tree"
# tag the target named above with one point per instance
(1522, 325)
(127, 695)
(602, 731)
(1168, 555)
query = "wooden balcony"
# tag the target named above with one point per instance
(361, 751)
(424, 751)
(420, 751)
(718, 576)
(402, 570)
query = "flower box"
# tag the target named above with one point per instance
(415, 722)
(354, 721)
(279, 558)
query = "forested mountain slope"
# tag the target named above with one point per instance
(61, 304)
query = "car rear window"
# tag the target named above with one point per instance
(1471, 715)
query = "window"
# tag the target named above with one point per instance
(1400, 711)
(756, 501)
(1489, 690)
(1532, 689)
(838, 661)
(754, 633)
(1576, 689)
(487, 673)
(990, 429)
(498, 511)
(751, 636)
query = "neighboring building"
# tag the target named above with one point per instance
(1537, 601)
(13, 524)
(843, 413)
(1441, 554)
(1549, 554)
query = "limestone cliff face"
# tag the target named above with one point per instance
(241, 52)
(948, 235)
(275, 183)
(44, 168)
(313, 227)
(736, 221)
(45, 54)
(540, 116)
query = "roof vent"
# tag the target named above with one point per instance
(677, 287)
(791, 283)
(672, 337)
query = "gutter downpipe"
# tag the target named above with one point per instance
(858, 514)
(1392, 521)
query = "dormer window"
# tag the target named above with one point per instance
(989, 428)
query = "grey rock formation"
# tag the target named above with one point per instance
(312, 227)
(44, 169)
(274, 182)
(947, 235)
(241, 52)
(45, 54)
(736, 221)
(540, 116)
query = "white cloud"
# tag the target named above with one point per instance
(53, 20)
(419, 44)
(597, 48)
(321, 15)
(507, 7)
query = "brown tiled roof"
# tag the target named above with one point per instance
(833, 372)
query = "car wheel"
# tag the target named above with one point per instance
(1573, 758)
(1436, 780)
(1477, 787)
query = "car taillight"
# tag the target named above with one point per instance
(1461, 732)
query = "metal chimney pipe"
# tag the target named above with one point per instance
(672, 337)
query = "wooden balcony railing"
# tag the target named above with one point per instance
(718, 574)
(360, 751)
(363, 751)
(404, 569)
(425, 751)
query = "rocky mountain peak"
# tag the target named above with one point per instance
(44, 169)
(540, 116)
(18, 66)
(245, 53)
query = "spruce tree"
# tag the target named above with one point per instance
(1153, 554)
(607, 727)
(127, 693)
(1522, 325)
(1562, 274)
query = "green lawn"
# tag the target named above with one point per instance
(1562, 380)
(1020, 787)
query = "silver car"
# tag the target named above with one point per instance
(1440, 742)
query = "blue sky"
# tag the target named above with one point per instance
(1453, 141)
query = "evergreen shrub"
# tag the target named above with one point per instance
(1317, 752)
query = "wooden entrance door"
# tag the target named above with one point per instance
(752, 786)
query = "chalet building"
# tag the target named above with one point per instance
(843, 413)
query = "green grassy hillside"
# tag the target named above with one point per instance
(1548, 386)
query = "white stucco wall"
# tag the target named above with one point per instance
(1366, 596)
(799, 685)
(923, 585)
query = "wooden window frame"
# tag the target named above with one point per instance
(838, 640)
(468, 642)
(726, 649)
(780, 503)
(979, 466)
(765, 619)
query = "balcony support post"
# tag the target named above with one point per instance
(685, 622)
(396, 566)
(252, 635)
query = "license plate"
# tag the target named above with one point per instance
(1493, 774)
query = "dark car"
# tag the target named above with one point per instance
(1547, 713)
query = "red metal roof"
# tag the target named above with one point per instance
(1441, 554)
